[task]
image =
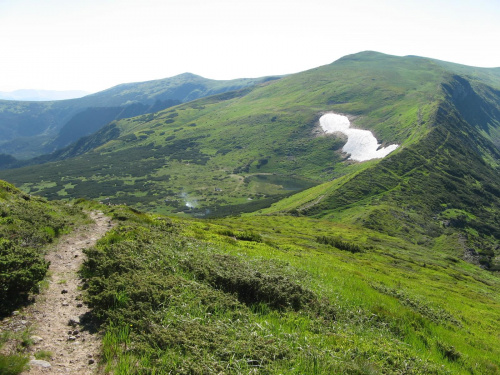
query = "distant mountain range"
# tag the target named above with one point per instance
(42, 95)
(29, 129)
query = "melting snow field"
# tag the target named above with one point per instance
(361, 144)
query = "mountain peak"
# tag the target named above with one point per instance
(188, 75)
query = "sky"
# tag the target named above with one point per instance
(92, 45)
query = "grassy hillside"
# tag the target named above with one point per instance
(214, 153)
(445, 184)
(274, 295)
(27, 224)
(28, 129)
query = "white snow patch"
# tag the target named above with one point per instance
(361, 144)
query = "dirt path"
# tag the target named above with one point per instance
(313, 203)
(56, 314)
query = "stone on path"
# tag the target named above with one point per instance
(74, 321)
(39, 363)
(36, 339)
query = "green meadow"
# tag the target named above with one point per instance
(265, 295)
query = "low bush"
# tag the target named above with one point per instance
(339, 244)
(242, 236)
(21, 269)
(27, 225)
(251, 283)
(12, 364)
(248, 236)
(448, 351)
(188, 308)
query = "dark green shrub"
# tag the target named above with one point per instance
(123, 213)
(248, 236)
(226, 232)
(12, 364)
(242, 236)
(27, 224)
(250, 283)
(448, 351)
(21, 269)
(339, 244)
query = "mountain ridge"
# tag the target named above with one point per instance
(29, 129)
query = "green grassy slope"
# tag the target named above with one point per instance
(215, 151)
(444, 184)
(27, 224)
(261, 295)
(29, 129)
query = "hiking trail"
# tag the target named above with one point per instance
(55, 316)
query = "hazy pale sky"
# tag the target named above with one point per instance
(95, 44)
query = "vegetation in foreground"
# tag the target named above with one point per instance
(27, 225)
(271, 295)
